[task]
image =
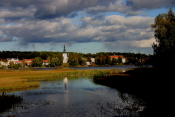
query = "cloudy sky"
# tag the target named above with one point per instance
(86, 26)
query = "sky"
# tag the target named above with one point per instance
(84, 26)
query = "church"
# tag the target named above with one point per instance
(65, 57)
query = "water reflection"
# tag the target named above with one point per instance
(78, 97)
(8, 102)
(65, 81)
(66, 95)
(133, 107)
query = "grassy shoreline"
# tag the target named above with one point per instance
(13, 80)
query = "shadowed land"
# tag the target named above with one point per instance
(135, 81)
(153, 86)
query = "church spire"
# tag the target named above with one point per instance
(64, 48)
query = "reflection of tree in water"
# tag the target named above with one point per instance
(9, 101)
(133, 107)
(129, 107)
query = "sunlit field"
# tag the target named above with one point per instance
(24, 79)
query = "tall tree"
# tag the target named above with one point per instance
(108, 59)
(164, 48)
(11, 64)
(119, 60)
(37, 62)
(114, 61)
(74, 62)
(55, 61)
(164, 60)
(23, 63)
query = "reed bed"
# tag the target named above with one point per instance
(22, 79)
(16, 83)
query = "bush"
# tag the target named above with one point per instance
(16, 66)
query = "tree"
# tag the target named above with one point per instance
(23, 63)
(89, 59)
(114, 61)
(164, 48)
(55, 61)
(11, 64)
(37, 62)
(74, 62)
(108, 60)
(132, 60)
(80, 61)
(119, 60)
(49, 60)
(164, 59)
(16, 66)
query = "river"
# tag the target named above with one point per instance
(73, 97)
(93, 67)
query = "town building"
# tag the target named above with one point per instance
(45, 62)
(65, 56)
(3, 62)
(124, 60)
(14, 60)
(28, 62)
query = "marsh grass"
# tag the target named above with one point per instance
(107, 73)
(16, 84)
(23, 79)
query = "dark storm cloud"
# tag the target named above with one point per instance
(13, 4)
(49, 9)
(150, 4)
(44, 21)
(130, 7)
(97, 29)
(66, 8)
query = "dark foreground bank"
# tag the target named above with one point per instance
(153, 86)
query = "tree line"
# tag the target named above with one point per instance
(56, 59)
(164, 32)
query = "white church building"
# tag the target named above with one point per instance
(65, 57)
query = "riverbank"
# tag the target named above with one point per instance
(152, 85)
(134, 81)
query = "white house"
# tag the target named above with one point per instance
(45, 62)
(3, 63)
(92, 60)
(124, 60)
(14, 60)
(88, 63)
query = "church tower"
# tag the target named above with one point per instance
(65, 57)
(64, 49)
